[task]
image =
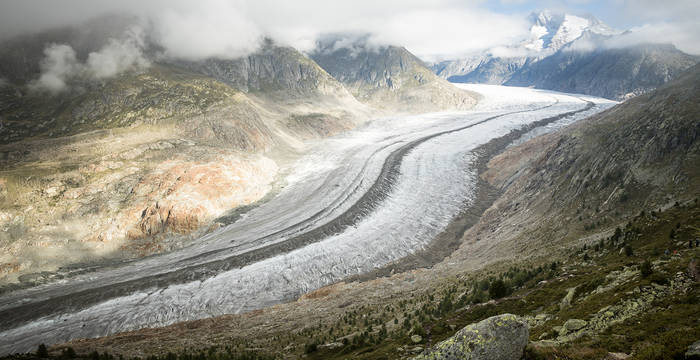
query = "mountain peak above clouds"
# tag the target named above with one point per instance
(572, 53)
(550, 31)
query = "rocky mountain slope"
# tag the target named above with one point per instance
(636, 155)
(576, 244)
(142, 160)
(549, 32)
(573, 54)
(387, 77)
(615, 73)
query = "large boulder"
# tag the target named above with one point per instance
(693, 351)
(572, 325)
(499, 337)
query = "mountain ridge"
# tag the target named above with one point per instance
(96, 170)
(559, 47)
(387, 76)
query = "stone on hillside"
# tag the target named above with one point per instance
(574, 324)
(566, 301)
(416, 338)
(331, 346)
(499, 337)
(693, 351)
(616, 356)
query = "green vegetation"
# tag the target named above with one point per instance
(664, 328)
(42, 352)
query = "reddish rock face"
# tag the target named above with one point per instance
(180, 197)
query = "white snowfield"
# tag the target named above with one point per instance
(343, 212)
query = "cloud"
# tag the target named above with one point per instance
(118, 56)
(432, 29)
(453, 32)
(511, 51)
(232, 28)
(674, 22)
(60, 62)
(217, 28)
(662, 33)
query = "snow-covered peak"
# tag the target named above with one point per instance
(570, 29)
(551, 31)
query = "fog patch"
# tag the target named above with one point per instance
(354, 43)
(511, 52)
(60, 63)
(118, 56)
(681, 35)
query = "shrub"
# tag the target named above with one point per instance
(484, 285)
(628, 250)
(310, 348)
(68, 353)
(478, 297)
(651, 352)
(42, 352)
(645, 268)
(658, 278)
(498, 289)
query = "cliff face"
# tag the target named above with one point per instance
(389, 77)
(272, 69)
(482, 70)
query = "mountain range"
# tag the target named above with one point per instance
(578, 214)
(104, 161)
(578, 54)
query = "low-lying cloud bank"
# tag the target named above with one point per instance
(118, 55)
(433, 30)
(233, 28)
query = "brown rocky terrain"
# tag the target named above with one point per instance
(145, 161)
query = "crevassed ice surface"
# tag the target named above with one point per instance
(436, 180)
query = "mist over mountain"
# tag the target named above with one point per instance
(574, 54)
(386, 76)
(402, 179)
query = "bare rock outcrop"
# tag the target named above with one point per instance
(498, 337)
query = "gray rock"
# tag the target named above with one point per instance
(574, 324)
(616, 356)
(416, 349)
(331, 346)
(693, 351)
(499, 337)
(566, 301)
(416, 338)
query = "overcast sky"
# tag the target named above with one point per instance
(433, 29)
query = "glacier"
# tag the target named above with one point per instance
(355, 202)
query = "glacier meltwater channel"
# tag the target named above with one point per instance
(355, 202)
